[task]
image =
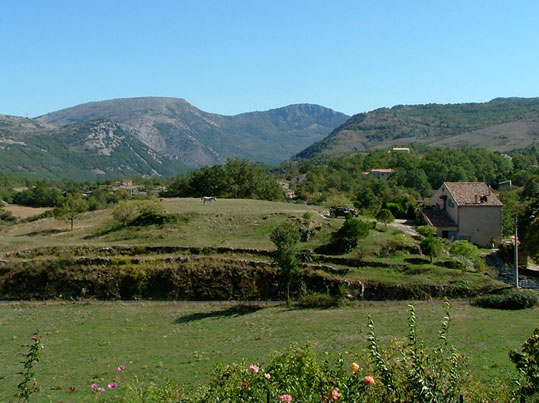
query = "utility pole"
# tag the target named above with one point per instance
(516, 251)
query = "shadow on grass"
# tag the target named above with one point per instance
(45, 232)
(234, 311)
(105, 231)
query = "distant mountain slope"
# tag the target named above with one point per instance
(80, 151)
(502, 124)
(179, 131)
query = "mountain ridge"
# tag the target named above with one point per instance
(180, 131)
(153, 136)
(502, 124)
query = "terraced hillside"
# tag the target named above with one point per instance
(215, 252)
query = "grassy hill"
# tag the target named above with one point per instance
(502, 124)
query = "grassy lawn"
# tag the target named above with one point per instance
(182, 341)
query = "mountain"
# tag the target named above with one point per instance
(79, 151)
(179, 131)
(502, 124)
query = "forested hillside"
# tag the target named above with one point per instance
(502, 124)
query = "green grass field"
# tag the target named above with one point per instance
(182, 341)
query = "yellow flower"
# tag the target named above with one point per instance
(354, 367)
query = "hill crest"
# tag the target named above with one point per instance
(502, 124)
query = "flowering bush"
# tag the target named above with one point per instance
(294, 375)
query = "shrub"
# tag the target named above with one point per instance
(6, 215)
(431, 247)
(419, 376)
(141, 213)
(426, 230)
(295, 373)
(396, 209)
(527, 364)
(307, 215)
(318, 300)
(512, 299)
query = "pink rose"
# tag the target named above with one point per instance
(267, 376)
(253, 369)
(121, 367)
(334, 394)
(368, 380)
(285, 398)
(112, 385)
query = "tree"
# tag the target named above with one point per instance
(70, 208)
(531, 239)
(285, 237)
(125, 212)
(385, 216)
(431, 247)
(345, 239)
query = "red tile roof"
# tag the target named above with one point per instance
(472, 194)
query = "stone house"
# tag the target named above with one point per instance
(466, 210)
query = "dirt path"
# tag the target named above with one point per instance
(406, 226)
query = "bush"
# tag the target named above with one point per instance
(426, 230)
(418, 376)
(295, 373)
(527, 364)
(141, 213)
(6, 216)
(512, 299)
(318, 300)
(307, 215)
(346, 238)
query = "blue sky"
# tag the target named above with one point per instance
(232, 56)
